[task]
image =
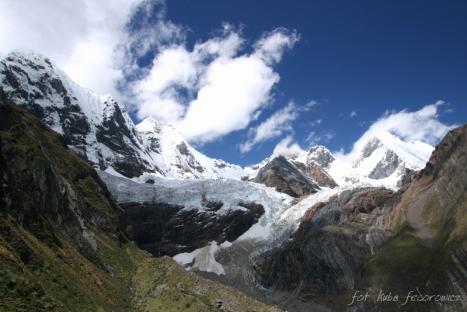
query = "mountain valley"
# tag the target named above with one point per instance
(101, 214)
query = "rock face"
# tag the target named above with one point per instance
(431, 219)
(98, 128)
(316, 173)
(286, 178)
(60, 245)
(164, 229)
(435, 200)
(386, 166)
(329, 249)
(371, 239)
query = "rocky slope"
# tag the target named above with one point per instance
(431, 221)
(98, 128)
(60, 245)
(370, 239)
(313, 164)
(286, 178)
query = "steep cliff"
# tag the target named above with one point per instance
(428, 246)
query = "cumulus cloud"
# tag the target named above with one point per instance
(270, 46)
(278, 124)
(208, 90)
(421, 125)
(215, 87)
(81, 36)
(287, 146)
(273, 127)
(353, 114)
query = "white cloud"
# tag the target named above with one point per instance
(422, 125)
(352, 114)
(157, 93)
(287, 146)
(273, 127)
(81, 36)
(315, 138)
(310, 105)
(149, 30)
(212, 89)
(270, 46)
(216, 87)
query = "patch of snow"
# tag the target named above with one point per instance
(295, 212)
(111, 170)
(202, 259)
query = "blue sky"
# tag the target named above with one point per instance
(239, 77)
(362, 56)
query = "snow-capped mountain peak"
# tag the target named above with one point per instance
(384, 159)
(175, 157)
(414, 153)
(99, 128)
(149, 124)
(320, 155)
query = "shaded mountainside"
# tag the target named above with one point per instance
(371, 239)
(60, 247)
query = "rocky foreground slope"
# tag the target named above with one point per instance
(60, 244)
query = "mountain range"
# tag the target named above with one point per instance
(100, 131)
(300, 230)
